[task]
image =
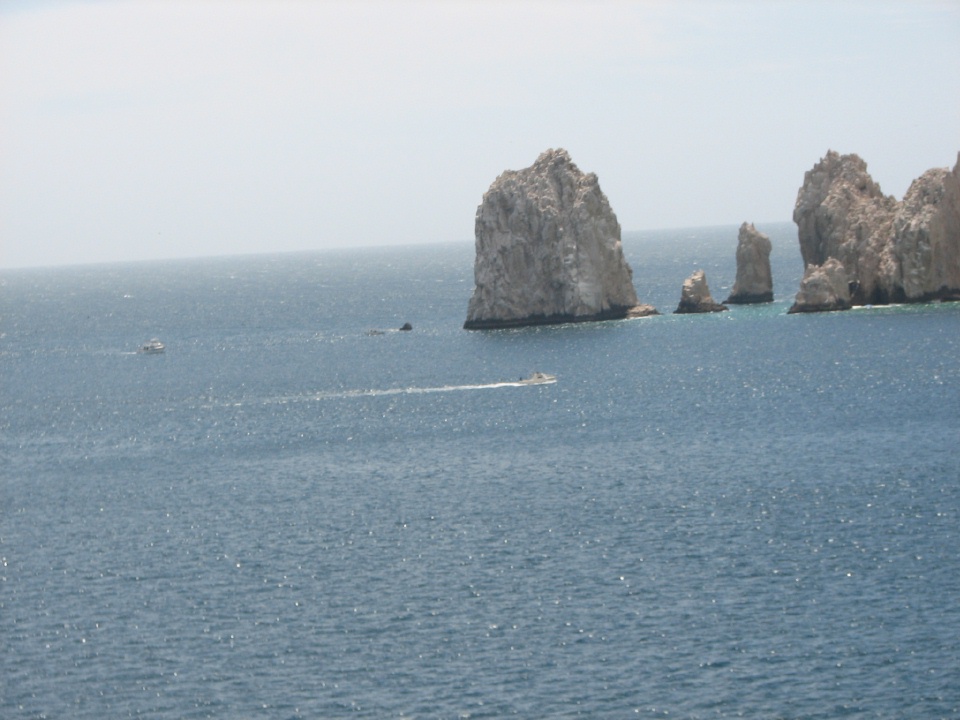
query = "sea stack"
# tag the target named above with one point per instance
(548, 251)
(754, 282)
(695, 296)
(926, 232)
(891, 251)
(823, 288)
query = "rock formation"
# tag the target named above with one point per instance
(823, 288)
(754, 282)
(548, 250)
(891, 251)
(695, 296)
(926, 236)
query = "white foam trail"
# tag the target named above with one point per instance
(407, 391)
(423, 390)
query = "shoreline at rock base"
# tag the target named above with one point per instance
(623, 313)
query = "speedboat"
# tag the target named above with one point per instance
(153, 347)
(538, 378)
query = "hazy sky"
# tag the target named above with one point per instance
(136, 130)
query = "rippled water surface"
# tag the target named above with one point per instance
(287, 515)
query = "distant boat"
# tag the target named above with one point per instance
(539, 378)
(153, 347)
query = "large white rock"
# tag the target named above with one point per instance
(823, 288)
(891, 251)
(754, 283)
(926, 236)
(548, 250)
(841, 213)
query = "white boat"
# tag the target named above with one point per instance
(538, 378)
(151, 348)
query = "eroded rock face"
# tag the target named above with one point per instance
(548, 250)
(891, 251)
(754, 283)
(695, 296)
(926, 233)
(823, 288)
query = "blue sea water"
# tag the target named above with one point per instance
(744, 514)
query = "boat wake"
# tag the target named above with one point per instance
(537, 379)
(442, 388)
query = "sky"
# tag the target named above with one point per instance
(155, 129)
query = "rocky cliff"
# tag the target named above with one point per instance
(823, 288)
(926, 237)
(891, 251)
(695, 296)
(548, 250)
(754, 283)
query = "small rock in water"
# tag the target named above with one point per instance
(695, 296)
(824, 288)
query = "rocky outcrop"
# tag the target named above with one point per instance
(754, 283)
(891, 251)
(695, 296)
(823, 288)
(548, 250)
(926, 237)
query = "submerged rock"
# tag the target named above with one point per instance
(823, 288)
(891, 251)
(695, 296)
(548, 250)
(754, 282)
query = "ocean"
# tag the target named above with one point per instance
(298, 511)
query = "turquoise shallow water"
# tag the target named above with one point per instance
(746, 514)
